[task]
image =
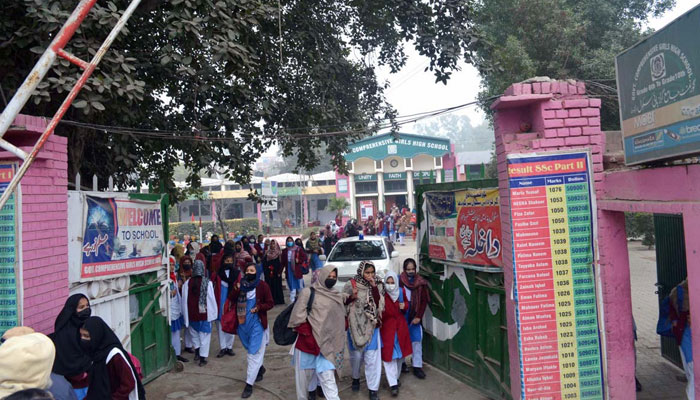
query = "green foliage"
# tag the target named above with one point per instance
(338, 204)
(223, 69)
(561, 39)
(641, 225)
(492, 167)
(243, 225)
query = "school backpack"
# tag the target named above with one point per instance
(664, 326)
(283, 335)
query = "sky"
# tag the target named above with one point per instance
(414, 90)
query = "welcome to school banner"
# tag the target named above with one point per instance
(552, 214)
(464, 226)
(121, 236)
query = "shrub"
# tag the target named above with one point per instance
(244, 225)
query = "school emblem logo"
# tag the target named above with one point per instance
(658, 67)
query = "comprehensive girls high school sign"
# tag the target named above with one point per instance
(405, 146)
(552, 216)
(659, 93)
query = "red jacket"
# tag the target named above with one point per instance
(263, 300)
(305, 340)
(301, 259)
(393, 324)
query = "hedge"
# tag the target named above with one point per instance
(242, 225)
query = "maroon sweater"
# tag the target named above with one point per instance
(121, 379)
(263, 300)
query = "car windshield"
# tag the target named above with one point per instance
(360, 250)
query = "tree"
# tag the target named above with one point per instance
(561, 39)
(338, 204)
(215, 83)
(459, 129)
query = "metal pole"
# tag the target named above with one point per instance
(200, 220)
(67, 102)
(43, 65)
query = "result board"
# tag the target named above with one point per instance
(552, 216)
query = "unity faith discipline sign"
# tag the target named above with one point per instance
(552, 215)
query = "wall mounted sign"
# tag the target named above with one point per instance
(552, 216)
(9, 299)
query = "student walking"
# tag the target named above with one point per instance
(226, 277)
(177, 323)
(394, 330)
(253, 300)
(199, 309)
(113, 375)
(364, 341)
(273, 271)
(71, 361)
(314, 250)
(294, 260)
(321, 335)
(418, 297)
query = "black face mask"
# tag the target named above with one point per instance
(228, 265)
(85, 314)
(86, 346)
(411, 274)
(330, 282)
(238, 249)
(250, 277)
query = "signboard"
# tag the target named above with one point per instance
(366, 209)
(289, 191)
(449, 175)
(395, 176)
(552, 215)
(405, 146)
(465, 226)
(342, 185)
(9, 299)
(659, 93)
(121, 236)
(366, 178)
(269, 196)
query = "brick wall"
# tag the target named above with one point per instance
(44, 195)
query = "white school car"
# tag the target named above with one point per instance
(348, 252)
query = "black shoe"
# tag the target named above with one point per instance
(373, 395)
(319, 393)
(404, 368)
(638, 384)
(394, 390)
(311, 396)
(221, 353)
(230, 352)
(398, 382)
(202, 361)
(183, 359)
(418, 372)
(247, 391)
(261, 372)
(196, 354)
(355, 385)
(189, 350)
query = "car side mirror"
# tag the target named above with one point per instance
(322, 257)
(394, 254)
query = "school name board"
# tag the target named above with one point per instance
(121, 237)
(659, 93)
(405, 146)
(552, 216)
(9, 315)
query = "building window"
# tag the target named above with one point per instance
(321, 204)
(395, 186)
(438, 162)
(349, 166)
(407, 162)
(365, 187)
(378, 164)
(233, 211)
(331, 182)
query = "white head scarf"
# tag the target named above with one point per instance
(394, 294)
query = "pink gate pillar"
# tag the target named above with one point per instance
(547, 115)
(42, 219)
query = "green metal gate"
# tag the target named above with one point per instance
(478, 353)
(670, 268)
(150, 329)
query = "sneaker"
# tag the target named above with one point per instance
(312, 395)
(261, 372)
(355, 385)
(203, 361)
(373, 395)
(418, 372)
(183, 359)
(230, 352)
(319, 392)
(404, 368)
(247, 391)
(196, 354)
(221, 353)
(394, 390)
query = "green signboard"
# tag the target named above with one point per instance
(366, 178)
(288, 191)
(405, 146)
(9, 314)
(395, 176)
(659, 95)
(422, 174)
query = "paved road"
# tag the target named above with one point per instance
(225, 378)
(657, 376)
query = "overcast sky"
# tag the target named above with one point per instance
(413, 90)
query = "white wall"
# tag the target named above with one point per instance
(423, 162)
(399, 168)
(363, 166)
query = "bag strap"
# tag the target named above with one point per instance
(311, 300)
